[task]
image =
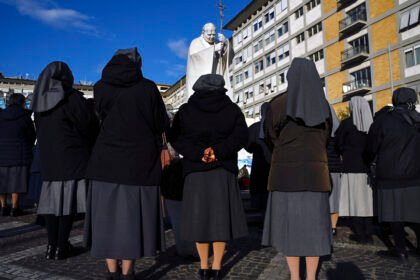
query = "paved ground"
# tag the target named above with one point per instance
(22, 247)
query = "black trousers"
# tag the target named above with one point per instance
(58, 229)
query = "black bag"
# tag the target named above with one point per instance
(172, 184)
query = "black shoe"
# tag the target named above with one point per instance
(64, 252)
(50, 253)
(334, 231)
(357, 238)
(113, 276)
(216, 274)
(130, 276)
(4, 211)
(204, 274)
(14, 212)
(393, 254)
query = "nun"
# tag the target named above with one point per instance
(63, 122)
(356, 198)
(335, 168)
(17, 137)
(297, 219)
(124, 218)
(208, 131)
(394, 142)
(261, 158)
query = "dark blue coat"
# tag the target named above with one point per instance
(17, 136)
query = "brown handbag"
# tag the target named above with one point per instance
(165, 155)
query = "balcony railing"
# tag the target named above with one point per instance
(352, 21)
(354, 53)
(357, 86)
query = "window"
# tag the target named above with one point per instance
(412, 56)
(258, 46)
(259, 66)
(238, 59)
(282, 77)
(315, 29)
(281, 5)
(261, 88)
(284, 51)
(362, 76)
(270, 37)
(299, 13)
(300, 38)
(269, 16)
(239, 78)
(246, 74)
(270, 59)
(312, 4)
(283, 29)
(258, 24)
(319, 55)
(410, 19)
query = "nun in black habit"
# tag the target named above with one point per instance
(394, 142)
(63, 121)
(209, 131)
(124, 218)
(297, 217)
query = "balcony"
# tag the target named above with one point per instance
(354, 54)
(353, 22)
(357, 87)
(344, 3)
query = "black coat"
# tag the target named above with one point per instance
(17, 136)
(261, 158)
(396, 146)
(127, 149)
(63, 137)
(351, 144)
(209, 119)
(335, 164)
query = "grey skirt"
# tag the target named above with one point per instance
(123, 222)
(14, 179)
(399, 205)
(62, 198)
(212, 207)
(298, 223)
(356, 198)
(335, 192)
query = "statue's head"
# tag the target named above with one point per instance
(209, 33)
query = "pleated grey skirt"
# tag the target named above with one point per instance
(62, 198)
(123, 222)
(298, 223)
(14, 179)
(212, 207)
(335, 192)
(356, 198)
(399, 205)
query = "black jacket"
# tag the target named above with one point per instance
(261, 159)
(351, 144)
(209, 119)
(17, 136)
(335, 164)
(127, 149)
(63, 138)
(396, 146)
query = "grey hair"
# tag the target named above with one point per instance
(208, 25)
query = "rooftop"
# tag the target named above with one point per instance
(246, 13)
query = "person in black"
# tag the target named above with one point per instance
(124, 219)
(394, 143)
(356, 198)
(63, 122)
(209, 131)
(17, 137)
(260, 162)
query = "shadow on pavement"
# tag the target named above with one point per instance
(345, 271)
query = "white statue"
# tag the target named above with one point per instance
(206, 56)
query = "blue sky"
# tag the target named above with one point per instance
(86, 33)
